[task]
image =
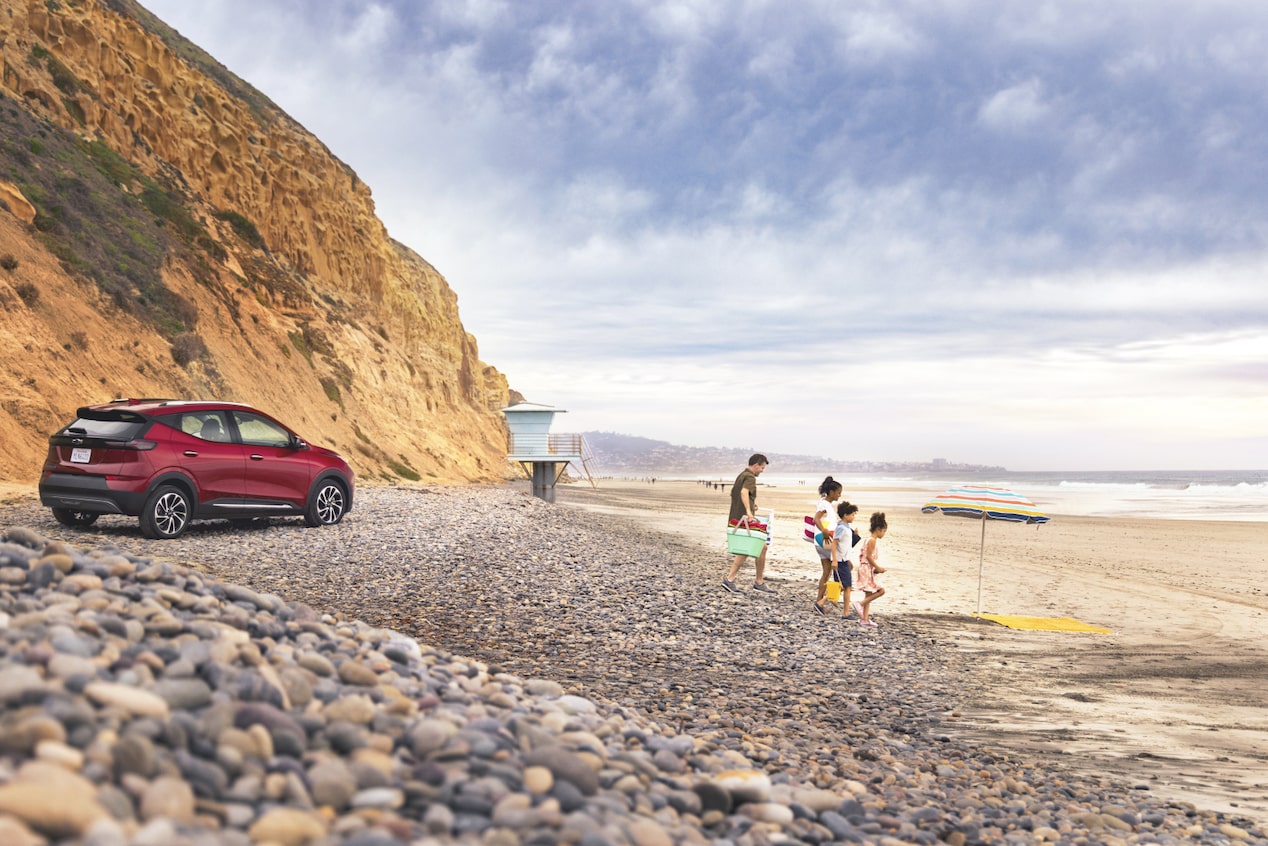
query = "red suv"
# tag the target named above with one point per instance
(172, 461)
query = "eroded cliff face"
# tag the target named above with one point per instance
(274, 259)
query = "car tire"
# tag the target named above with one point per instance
(71, 517)
(166, 513)
(327, 504)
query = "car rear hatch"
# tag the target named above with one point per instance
(101, 442)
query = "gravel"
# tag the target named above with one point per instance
(472, 665)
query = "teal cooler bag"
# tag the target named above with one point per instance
(745, 541)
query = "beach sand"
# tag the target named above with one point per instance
(1173, 699)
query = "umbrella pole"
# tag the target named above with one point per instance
(981, 556)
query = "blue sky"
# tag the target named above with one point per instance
(1027, 234)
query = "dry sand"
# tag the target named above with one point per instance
(1173, 699)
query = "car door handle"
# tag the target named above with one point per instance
(255, 456)
(191, 453)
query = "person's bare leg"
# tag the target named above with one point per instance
(760, 564)
(867, 604)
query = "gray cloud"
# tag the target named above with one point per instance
(914, 202)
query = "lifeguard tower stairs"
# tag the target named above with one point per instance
(543, 456)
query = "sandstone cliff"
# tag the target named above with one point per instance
(165, 230)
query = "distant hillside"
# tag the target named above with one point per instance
(629, 455)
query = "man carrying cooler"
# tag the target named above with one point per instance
(743, 503)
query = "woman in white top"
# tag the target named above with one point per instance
(825, 536)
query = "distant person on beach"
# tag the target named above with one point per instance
(743, 503)
(826, 536)
(869, 566)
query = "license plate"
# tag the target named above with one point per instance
(80, 456)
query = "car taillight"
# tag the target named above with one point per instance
(141, 446)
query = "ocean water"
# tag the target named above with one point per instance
(1240, 495)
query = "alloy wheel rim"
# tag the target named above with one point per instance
(329, 504)
(170, 513)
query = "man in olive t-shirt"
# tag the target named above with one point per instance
(743, 501)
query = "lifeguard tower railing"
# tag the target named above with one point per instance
(537, 444)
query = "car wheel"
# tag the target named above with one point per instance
(70, 517)
(166, 513)
(327, 504)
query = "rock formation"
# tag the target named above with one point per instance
(166, 230)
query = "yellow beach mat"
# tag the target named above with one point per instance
(1045, 624)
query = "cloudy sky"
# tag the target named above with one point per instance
(1028, 234)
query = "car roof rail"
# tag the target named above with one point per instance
(137, 400)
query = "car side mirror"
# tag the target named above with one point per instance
(299, 443)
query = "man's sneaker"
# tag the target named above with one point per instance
(730, 585)
(763, 587)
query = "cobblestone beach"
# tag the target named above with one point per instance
(472, 665)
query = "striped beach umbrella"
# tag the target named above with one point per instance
(980, 502)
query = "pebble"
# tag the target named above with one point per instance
(167, 797)
(131, 700)
(51, 800)
(387, 681)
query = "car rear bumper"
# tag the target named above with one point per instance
(88, 493)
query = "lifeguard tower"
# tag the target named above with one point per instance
(543, 456)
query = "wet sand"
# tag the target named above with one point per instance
(1174, 698)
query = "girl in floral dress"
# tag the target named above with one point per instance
(869, 566)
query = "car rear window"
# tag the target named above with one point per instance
(107, 426)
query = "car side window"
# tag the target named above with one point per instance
(206, 425)
(260, 431)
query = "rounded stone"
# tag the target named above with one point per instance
(352, 672)
(429, 735)
(168, 797)
(356, 708)
(316, 663)
(182, 694)
(288, 827)
(332, 783)
(51, 800)
(566, 766)
(131, 700)
(745, 785)
(538, 779)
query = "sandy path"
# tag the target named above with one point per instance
(1174, 699)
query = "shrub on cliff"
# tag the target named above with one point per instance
(28, 293)
(188, 347)
(244, 228)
